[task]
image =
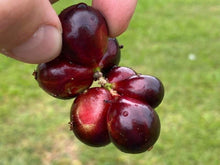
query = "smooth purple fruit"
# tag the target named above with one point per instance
(111, 57)
(119, 73)
(133, 126)
(88, 117)
(148, 89)
(63, 79)
(85, 34)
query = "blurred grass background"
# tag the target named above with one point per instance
(175, 40)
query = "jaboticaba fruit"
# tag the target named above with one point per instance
(133, 126)
(146, 88)
(85, 34)
(88, 116)
(111, 57)
(63, 79)
(119, 73)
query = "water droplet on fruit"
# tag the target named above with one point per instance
(125, 113)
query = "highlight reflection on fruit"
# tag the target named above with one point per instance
(121, 107)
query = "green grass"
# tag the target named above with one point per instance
(159, 41)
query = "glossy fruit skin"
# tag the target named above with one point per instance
(111, 57)
(133, 126)
(146, 88)
(85, 34)
(63, 79)
(88, 117)
(119, 73)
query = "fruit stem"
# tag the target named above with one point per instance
(104, 83)
(113, 92)
(98, 76)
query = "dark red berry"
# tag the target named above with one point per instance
(133, 126)
(148, 89)
(111, 57)
(119, 73)
(85, 34)
(88, 117)
(63, 79)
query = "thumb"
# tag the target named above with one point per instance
(30, 30)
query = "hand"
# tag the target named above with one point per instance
(31, 32)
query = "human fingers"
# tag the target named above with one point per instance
(30, 30)
(117, 13)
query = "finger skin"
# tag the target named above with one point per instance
(20, 20)
(19, 23)
(117, 13)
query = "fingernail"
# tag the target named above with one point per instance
(43, 46)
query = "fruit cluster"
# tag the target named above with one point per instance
(120, 108)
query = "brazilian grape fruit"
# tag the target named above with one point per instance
(133, 126)
(85, 34)
(88, 117)
(119, 73)
(143, 87)
(111, 57)
(63, 79)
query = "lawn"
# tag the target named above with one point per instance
(176, 40)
